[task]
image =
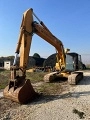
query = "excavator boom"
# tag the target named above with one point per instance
(20, 88)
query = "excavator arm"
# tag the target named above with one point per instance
(24, 42)
(20, 88)
(44, 33)
(28, 28)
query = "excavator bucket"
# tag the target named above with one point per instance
(21, 92)
(19, 88)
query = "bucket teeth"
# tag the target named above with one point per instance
(22, 93)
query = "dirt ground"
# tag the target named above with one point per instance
(54, 105)
(6, 104)
(56, 89)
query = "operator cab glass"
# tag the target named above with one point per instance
(70, 63)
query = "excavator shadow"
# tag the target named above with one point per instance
(47, 98)
(41, 98)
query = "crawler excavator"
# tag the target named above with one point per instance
(19, 88)
(71, 71)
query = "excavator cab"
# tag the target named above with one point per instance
(76, 61)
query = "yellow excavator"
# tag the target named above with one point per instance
(71, 72)
(19, 88)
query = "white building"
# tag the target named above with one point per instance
(7, 65)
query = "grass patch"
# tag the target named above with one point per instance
(4, 78)
(50, 88)
(35, 76)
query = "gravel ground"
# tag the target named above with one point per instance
(1, 93)
(73, 104)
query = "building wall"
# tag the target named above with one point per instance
(7, 65)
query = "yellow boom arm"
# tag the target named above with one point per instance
(28, 27)
(20, 88)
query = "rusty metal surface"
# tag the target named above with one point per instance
(22, 94)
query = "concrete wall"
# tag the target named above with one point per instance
(7, 65)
